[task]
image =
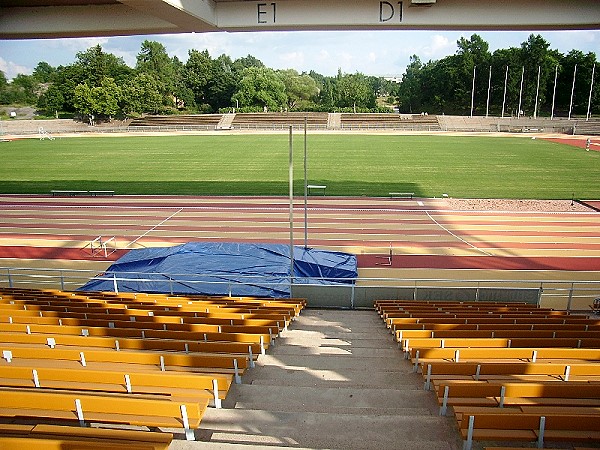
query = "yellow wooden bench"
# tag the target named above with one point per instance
(175, 384)
(171, 345)
(491, 343)
(481, 393)
(153, 361)
(141, 333)
(424, 355)
(540, 428)
(446, 370)
(110, 409)
(59, 437)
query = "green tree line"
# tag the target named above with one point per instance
(540, 80)
(100, 85)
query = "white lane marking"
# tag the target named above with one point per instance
(456, 236)
(154, 227)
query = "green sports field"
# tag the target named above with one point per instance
(254, 164)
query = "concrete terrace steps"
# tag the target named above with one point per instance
(335, 379)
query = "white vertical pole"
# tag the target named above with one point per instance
(473, 91)
(554, 92)
(537, 92)
(572, 91)
(291, 183)
(521, 92)
(587, 116)
(305, 187)
(487, 108)
(505, 84)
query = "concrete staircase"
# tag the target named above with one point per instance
(334, 121)
(334, 380)
(226, 122)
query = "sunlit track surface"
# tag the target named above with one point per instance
(418, 233)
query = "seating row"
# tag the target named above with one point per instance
(152, 361)
(512, 372)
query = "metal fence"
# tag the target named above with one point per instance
(356, 293)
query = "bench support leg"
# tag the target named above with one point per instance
(428, 382)
(189, 433)
(79, 411)
(251, 356)
(468, 444)
(216, 394)
(416, 365)
(540, 442)
(444, 406)
(237, 378)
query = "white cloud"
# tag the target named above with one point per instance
(129, 57)
(12, 69)
(440, 45)
(74, 45)
(293, 60)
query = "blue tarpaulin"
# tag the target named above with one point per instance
(239, 269)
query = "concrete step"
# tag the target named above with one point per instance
(328, 430)
(334, 380)
(351, 378)
(330, 349)
(332, 362)
(342, 400)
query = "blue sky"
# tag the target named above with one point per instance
(380, 53)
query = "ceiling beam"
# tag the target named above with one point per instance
(51, 19)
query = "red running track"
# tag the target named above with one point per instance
(372, 260)
(571, 240)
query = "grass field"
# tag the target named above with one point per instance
(371, 165)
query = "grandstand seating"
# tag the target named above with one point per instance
(282, 120)
(279, 120)
(587, 127)
(362, 121)
(147, 360)
(509, 372)
(182, 122)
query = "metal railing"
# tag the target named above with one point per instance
(346, 293)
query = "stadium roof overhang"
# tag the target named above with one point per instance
(77, 18)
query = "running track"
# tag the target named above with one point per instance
(419, 233)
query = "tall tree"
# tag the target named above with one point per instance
(472, 56)
(141, 95)
(197, 74)
(501, 60)
(221, 84)
(355, 92)
(95, 65)
(51, 101)
(410, 91)
(298, 88)
(182, 93)
(261, 88)
(154, 61)
(537, 59)
(43, 72)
